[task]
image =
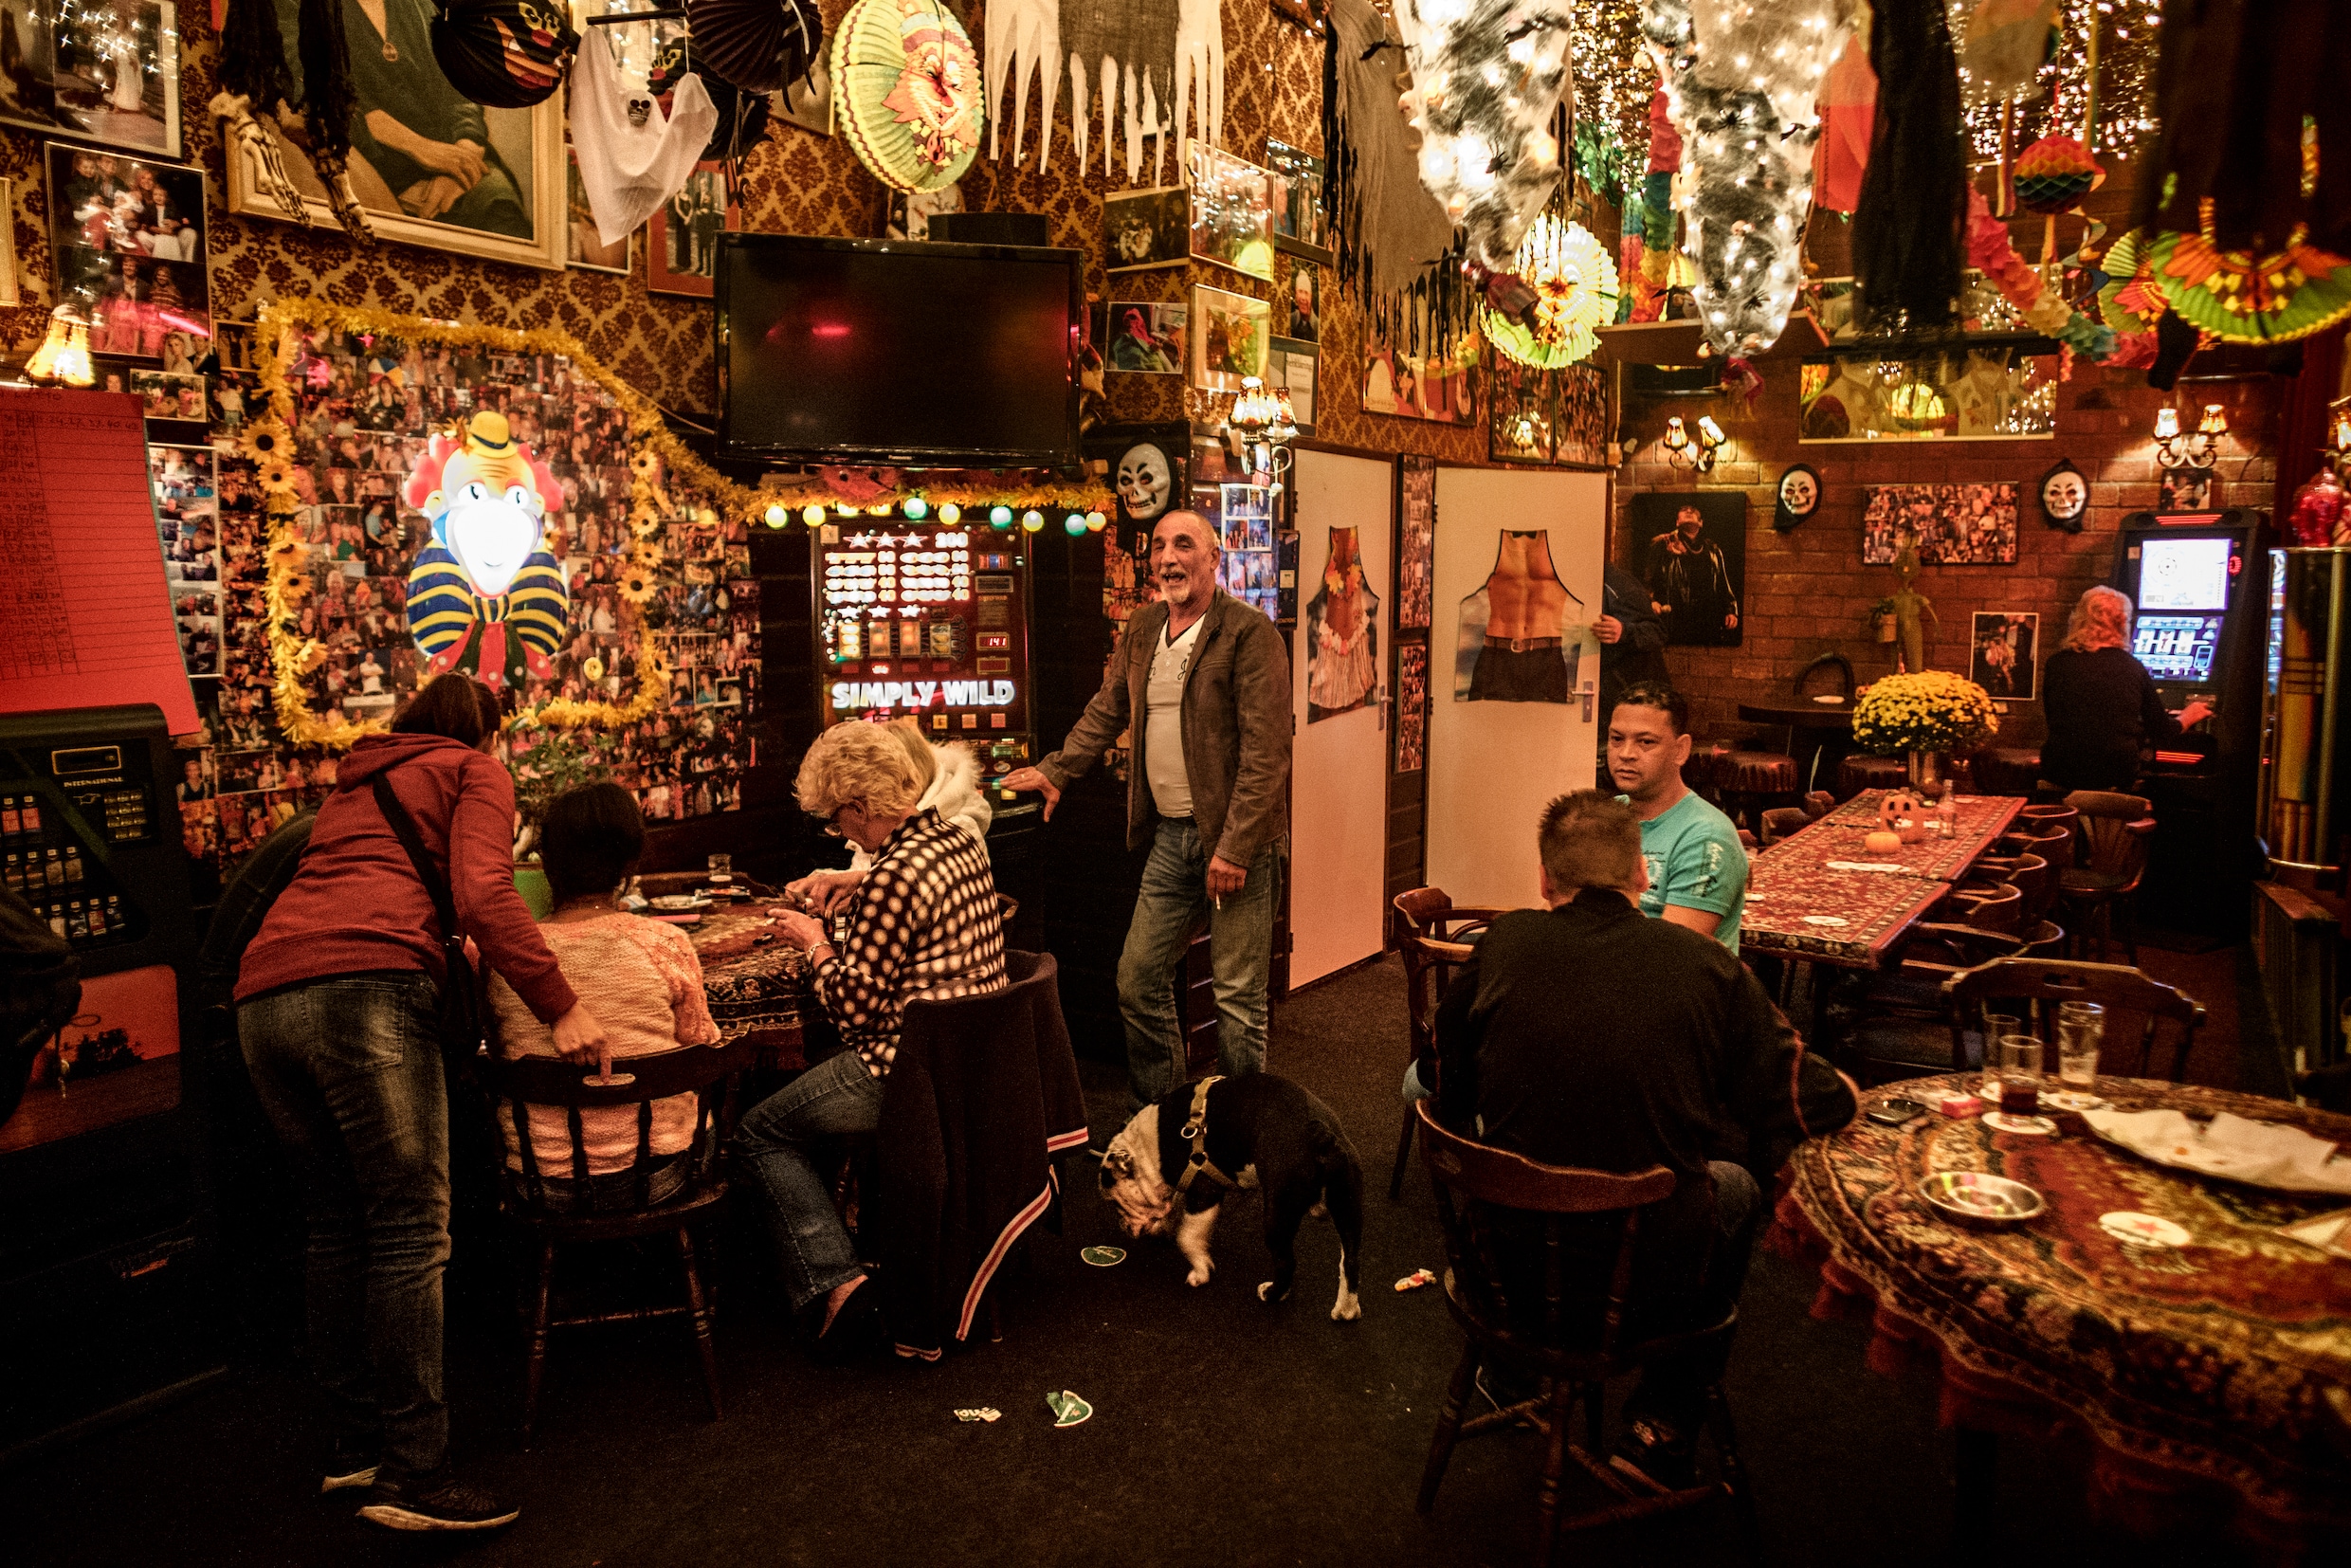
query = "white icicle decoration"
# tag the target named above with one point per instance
(1197, 106)
(1022, 41)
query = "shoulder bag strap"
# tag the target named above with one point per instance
(461, 1003)
(436, 884)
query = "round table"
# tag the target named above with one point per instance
(2198, 1373)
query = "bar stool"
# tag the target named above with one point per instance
(1861, 772)
(1701, 771)
(2006, 770)
(1750, 781)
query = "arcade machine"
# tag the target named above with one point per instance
(2199, 581)
(104, 1295)
(922, 619)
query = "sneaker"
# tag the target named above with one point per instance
(350, 1464)
(1656, 1456)
(434, 1501)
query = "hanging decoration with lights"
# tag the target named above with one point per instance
(1575, 285)
(908, 82)
(1741, 79)
(1487, 76)
(1614, 79)
(2096, 81)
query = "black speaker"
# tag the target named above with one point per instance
(991, 229)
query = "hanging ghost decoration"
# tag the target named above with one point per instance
(485, 596)
(1121, 54)
(1741, 79)
(1487, 76)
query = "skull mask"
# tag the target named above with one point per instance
(1143, 482)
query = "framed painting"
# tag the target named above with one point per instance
(127, 236)
(1231, 337)
(1693, 547)
(587, 251)
(1231, 212)
(103, 73)
(428, 166)
(681, 236)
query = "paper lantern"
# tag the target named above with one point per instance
(506, 54)
(2243, 299)
(1575, 285)
(907, 84)
(755, 44)
(2129, 302)
(2054, 174)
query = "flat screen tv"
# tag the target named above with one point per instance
(886, 351)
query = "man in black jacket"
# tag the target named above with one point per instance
(1586, 1036)
(1632, 639)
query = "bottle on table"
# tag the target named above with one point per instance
(1947, 813)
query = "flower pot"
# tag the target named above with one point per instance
(1888, 628)
(1928, 770)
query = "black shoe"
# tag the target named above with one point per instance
(434, 1501)
(350, 1464)
(856, 1330)
(1656, 1456)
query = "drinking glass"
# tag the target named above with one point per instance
(2081, 1030)
(2020, 1074)
(1998, 1026)
(721, 870)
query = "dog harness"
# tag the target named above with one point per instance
(1195, 1132)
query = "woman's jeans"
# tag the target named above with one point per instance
(834, 1098)
(1172, 900)
(349, 1070)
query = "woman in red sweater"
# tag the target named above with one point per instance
(335, 1011)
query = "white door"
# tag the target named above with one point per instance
(1339, 762)
(1501, 746)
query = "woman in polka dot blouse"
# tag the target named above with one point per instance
(923, 923)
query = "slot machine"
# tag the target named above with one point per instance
(2199, 584)
(105, 1287)
(930, 620)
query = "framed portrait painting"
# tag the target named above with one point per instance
(681, 236)
(1693, 556)
(103, 73)
(1231, 337)
(585, 248)
(428, 166)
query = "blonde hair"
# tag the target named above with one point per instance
(861, 764)
(908, 733)
(2101, 618)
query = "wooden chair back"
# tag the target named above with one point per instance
(1430, 912)
(1429, 966)
(1782, 821)
(2115, 828)
(2056, 847)
(1837, 663)
(2000, 908)
(2141, 1013)
(712, 1072)
(1479, 1189)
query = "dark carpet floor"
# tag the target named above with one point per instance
(1224, 1431)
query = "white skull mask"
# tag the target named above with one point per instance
(1143, 482)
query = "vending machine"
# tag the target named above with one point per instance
(930, 620)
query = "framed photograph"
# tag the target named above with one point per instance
(1412, 387)
(1146, 338)
(1306, 303)
(2003, 652)
(428, 166)
(1412, 733)
(102, 73)
(1417, 535)
(1294, 367)
(1231, 335)
(1584, 427)
(1146, 228)
(126, 237)
(1299, 224)
(172, 398)
(1952, 524)
(187, 527)
(2184, 490)
(1694, 559)
(909, 215)
(1232, 221)
(587, 250)
(681, 236)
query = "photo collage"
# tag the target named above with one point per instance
(1243, 519)
(363, 415)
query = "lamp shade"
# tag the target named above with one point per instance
(743, 116)
(755, 45)
(506, 54)
(907, 83)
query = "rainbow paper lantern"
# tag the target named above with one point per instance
(2054, 174)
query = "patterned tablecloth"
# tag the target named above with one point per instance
(1798, 908)
(2197, 1371)
(753, 982)
(1982, 818)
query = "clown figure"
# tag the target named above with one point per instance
(486, 596)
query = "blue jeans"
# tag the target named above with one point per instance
(834, 1098)
(349, 1070)
(1174, 897)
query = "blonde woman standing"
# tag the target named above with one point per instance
(2100, 703)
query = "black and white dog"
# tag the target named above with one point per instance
(1253, 1131)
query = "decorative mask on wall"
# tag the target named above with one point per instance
(1486, 78)
(485, 596)
(1144, 481)
(2065, 497)
(1800, 496)
(1741, 81)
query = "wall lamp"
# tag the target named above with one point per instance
(2196, 451)
(1260, 429)
(1693, 450)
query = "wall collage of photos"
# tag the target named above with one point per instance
(364, 411)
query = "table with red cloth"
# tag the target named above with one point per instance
(1981, 820)
(1802, 910)
(755, 983)
(2198, 1374)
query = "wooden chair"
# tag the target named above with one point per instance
(2138, 1008)
(1781, 821)
(2042, 821)
(1493, 1204)
(713, 1074)
(1999, 906)
(1430, 935)
(2115, 831)
(1819, 803)
(1892, 1025)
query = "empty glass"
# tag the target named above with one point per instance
(2020, 1074)
(721, 870)
(2081, 1030)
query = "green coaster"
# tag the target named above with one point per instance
(1069, 1410)
(1103, 1257)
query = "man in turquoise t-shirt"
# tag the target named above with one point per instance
(1697, 868)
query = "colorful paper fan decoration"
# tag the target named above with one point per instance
(2053, 174)
(755, 45)
(2130, 302)
(1575, 285)
(2241, 299)
(507, 54)
(906, 81)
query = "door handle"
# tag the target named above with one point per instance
(1590, 692)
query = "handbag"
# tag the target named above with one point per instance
(460, 1006)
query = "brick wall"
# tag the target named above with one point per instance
(1806, 592)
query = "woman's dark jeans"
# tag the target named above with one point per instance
(349, 1070)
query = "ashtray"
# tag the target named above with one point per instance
(673, 904)
(2074, 1100)
(1981, 1198)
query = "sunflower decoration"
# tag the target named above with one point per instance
(591, 668)
(645, 555)
(286, 554)
(636, 584)
(646, 465)
(264, 440)
(644, 519)
(277, 477)
(1575, 285)
(310, 658)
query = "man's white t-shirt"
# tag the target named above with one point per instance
(1163, 731)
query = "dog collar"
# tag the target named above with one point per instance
(1195, 1132)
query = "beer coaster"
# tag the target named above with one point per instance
(2125, 1225)
(1069, 1410)
(982, 1414)
(2034, 1126)
(1103, 1257)
(2074, 1100)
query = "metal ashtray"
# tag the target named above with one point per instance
(1982, 1199)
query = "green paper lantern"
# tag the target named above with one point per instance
(907, 79)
